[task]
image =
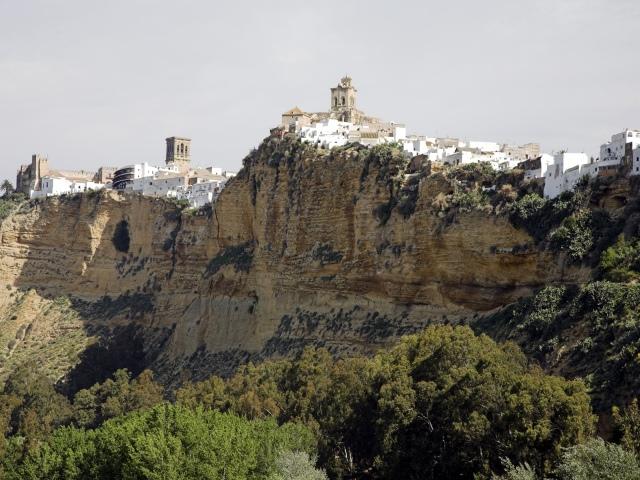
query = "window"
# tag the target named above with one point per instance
(343, 101)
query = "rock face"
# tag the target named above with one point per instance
(301, 248)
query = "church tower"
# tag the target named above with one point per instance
(179, 152)
(343, 101)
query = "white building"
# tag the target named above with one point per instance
(498, 160)
(126, 175)
(200, 194)
(199, 185)
(565, 172)
(163, 184)
(328, 133)
(615, 149)
(635, 164)
(51, 186)
(536, 167)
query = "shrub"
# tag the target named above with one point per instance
(527, 208)
(575, 235)
(507, 193)
(539, 216)
(516, 472)
(600, 318)
(469, 201)
(621, 261)
(539, 313)
(297, 466)
(598, 459)
(240, 256)
(627, 426)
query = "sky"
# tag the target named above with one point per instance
(91, 83)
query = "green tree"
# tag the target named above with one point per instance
(7, 188)
(444, 402)
(116, 396)
(37, 408)
(450, 403)
(627, 425)
(166, 442)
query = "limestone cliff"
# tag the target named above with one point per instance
(303, 247)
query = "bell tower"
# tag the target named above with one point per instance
(343, 101)
(179, 152)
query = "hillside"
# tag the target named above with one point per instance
(347, 249)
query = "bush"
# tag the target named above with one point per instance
(297, 466)
(8, 203)
(598, 459)
(240, 256)
(575, 235)
(627, 426)
(621, 261)
(516, 472)
(539, 313)
(469, 201)
(600, 318)
(539, 216)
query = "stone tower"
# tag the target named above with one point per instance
(179, 152)
(343, 101)
(29, 176)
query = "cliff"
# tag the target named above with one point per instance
(347, 249)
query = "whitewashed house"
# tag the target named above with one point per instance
(51, 186)
(328, 133)
(163, 184)
(536, 167)
(565, 172)
(126, 175)
(200, 194)
(615, 149)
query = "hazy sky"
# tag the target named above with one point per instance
(93, 83)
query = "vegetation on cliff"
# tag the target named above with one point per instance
(9, 202)
(443, 402)
(590, 331)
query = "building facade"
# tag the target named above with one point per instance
(615, 148)
(565, 172)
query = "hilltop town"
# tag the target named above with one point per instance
(177, 178)
(341, 124)
(560, 171)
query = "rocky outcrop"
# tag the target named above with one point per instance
(303, 247)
